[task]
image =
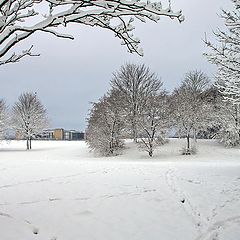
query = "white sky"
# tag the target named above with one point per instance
(70, 74)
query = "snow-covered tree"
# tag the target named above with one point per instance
(229, 132)
(3, 118)
(136, 83)
(226, 55)
(226, 118)
(154, 122)
(191, 112)
(19, 19)
(29, 117)
(105, 125)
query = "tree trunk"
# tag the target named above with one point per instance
(134, 131)
(194, 135)
(111, 148)
(150, 152)
(30, 143)
(27, 144)
(188, 145)
(237, 107)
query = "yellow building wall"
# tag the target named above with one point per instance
(58, 134)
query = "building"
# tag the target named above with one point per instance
(61, 134)
(73, 135)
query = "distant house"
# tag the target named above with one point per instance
(61, 134)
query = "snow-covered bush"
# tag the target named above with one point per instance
(105, 125)
(189, 151)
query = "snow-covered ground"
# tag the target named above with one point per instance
(60, 191)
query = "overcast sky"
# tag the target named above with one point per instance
(70, 74)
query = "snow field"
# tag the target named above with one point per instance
(60, 191)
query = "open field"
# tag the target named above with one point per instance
(60, 191)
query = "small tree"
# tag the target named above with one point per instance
(29, 117)
(154, 122)
(20, 19)
(136, 83)
(105, 125)
(3, 118)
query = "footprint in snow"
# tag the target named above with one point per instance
(35, 231)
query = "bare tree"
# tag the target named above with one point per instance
(136, 83)
(105, 125)
(19, 19)
(29, 117)
(154, 122)
(3, 118)
(191, 112)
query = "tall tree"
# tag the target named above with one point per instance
(105, 125)
(19, 19)
(136, 83)
(191, 111)
(29, 116)
(226, 55)
(3, 118)
(154, 121)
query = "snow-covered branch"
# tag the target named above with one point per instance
(226, 55)
(19, 19)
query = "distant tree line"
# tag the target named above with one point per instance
(137, 107)
(28, 117)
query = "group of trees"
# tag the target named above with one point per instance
(28, 117)
(138, 107)
(127, 110)
(195, 109)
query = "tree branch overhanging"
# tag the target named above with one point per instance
(19, 19)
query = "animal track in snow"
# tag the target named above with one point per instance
(186, 203)
(212, 232)
(5, 215)
(209, 229)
